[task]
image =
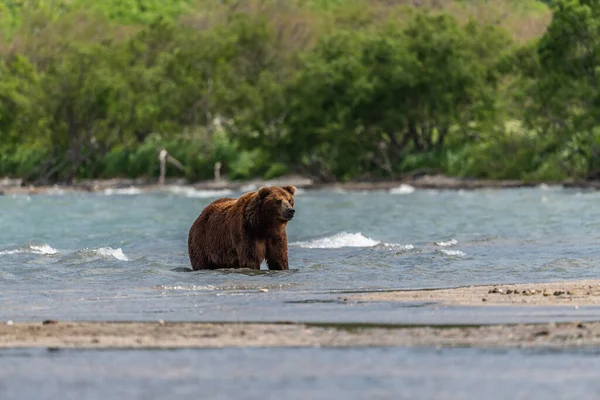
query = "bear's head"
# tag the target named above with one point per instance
(278, 201)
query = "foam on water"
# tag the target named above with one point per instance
(32, 249)
(56, 190)
(342, 239)
(43, 249)
(252, 187)
(403, 189)
(453, 252)
(545, 186)
(395, 246)
(129, 191)
(452, 242)
(195, 193)
(110, 252)
(8, 252)
(249, 187)
(186, 288)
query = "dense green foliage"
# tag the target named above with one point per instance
(332, 89)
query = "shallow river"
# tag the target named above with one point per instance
(122, 255)
(300, 373)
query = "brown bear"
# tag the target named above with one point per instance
(241, 233)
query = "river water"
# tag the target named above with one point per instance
(300, 373)
(122, 255)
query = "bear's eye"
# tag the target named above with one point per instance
(278, 201)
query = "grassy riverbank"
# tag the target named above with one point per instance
(332, 90)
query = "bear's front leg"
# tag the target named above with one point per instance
(277, 253)
(250, 254)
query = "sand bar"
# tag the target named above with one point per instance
(124, 335)
(160, 334)
(573, 293)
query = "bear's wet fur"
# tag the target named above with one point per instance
(242, 232)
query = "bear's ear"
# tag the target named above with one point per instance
(291, 189)
(263, 192)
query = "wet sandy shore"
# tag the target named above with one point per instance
(574, 293)
(213, 335)
(161, 334)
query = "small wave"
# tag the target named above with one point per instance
(33, 249)
(56, 191)
(452, 242)
(129, 191)
(110, 252)
(402, 189)
(196, 193)
(43, 249)
(87, 255)
(234, 287)
(545, 186)
(186, 288)
(453, 252)
(252, 187)
(395, 246)
(339, 240)
(248, 188)
(8, 252)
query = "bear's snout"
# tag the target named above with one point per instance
(289, 213)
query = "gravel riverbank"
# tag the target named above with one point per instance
(144, 185)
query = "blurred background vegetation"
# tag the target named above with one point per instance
(331, 89)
